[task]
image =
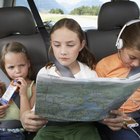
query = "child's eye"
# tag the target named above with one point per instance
(22, 65)
(10, 67)
(132, 57)
(57, 45)
(70, 45)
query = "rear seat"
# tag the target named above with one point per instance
(112, 17)
(17, 24)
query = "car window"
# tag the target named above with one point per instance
(138, 2)
(85, 12)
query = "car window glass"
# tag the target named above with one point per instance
(138, 2)
(85, 12)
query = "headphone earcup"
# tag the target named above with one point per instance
(120, 44)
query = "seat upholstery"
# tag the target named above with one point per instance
(17, 24)
(112, 17)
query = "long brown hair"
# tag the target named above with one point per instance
(85, 56)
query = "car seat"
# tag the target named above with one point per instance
(17, 24)
(112, 17)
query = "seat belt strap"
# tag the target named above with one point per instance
(10, 124)
(64, 71)
(16, 98)
(4, 78)
(41, 28)
(133, 71)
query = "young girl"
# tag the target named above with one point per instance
(69, 48)
(16, 64)
(119, 65)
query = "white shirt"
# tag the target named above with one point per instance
(84, 73)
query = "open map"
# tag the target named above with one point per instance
(69, 99)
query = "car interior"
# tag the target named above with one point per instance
(112, 17)
(18, 24)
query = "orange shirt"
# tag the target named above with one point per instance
(112, 66)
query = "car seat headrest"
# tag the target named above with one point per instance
(22, 21)
(113, 15)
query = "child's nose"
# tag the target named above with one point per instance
(17, 70)
(135, 63)
(63, 51)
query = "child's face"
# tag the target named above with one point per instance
(16, 65)
(66, 46)
(130, 57)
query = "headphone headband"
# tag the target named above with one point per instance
(119, 42)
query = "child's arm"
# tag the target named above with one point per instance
(24, 101)
(33, 97)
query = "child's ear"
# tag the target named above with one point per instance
(83, 45)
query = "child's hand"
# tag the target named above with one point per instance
(3, 109)
(32, 122)
(22, 85)
(116, 120)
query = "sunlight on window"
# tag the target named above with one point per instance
(138, 2)
(85, 12)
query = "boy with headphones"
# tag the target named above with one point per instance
(122, 65)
